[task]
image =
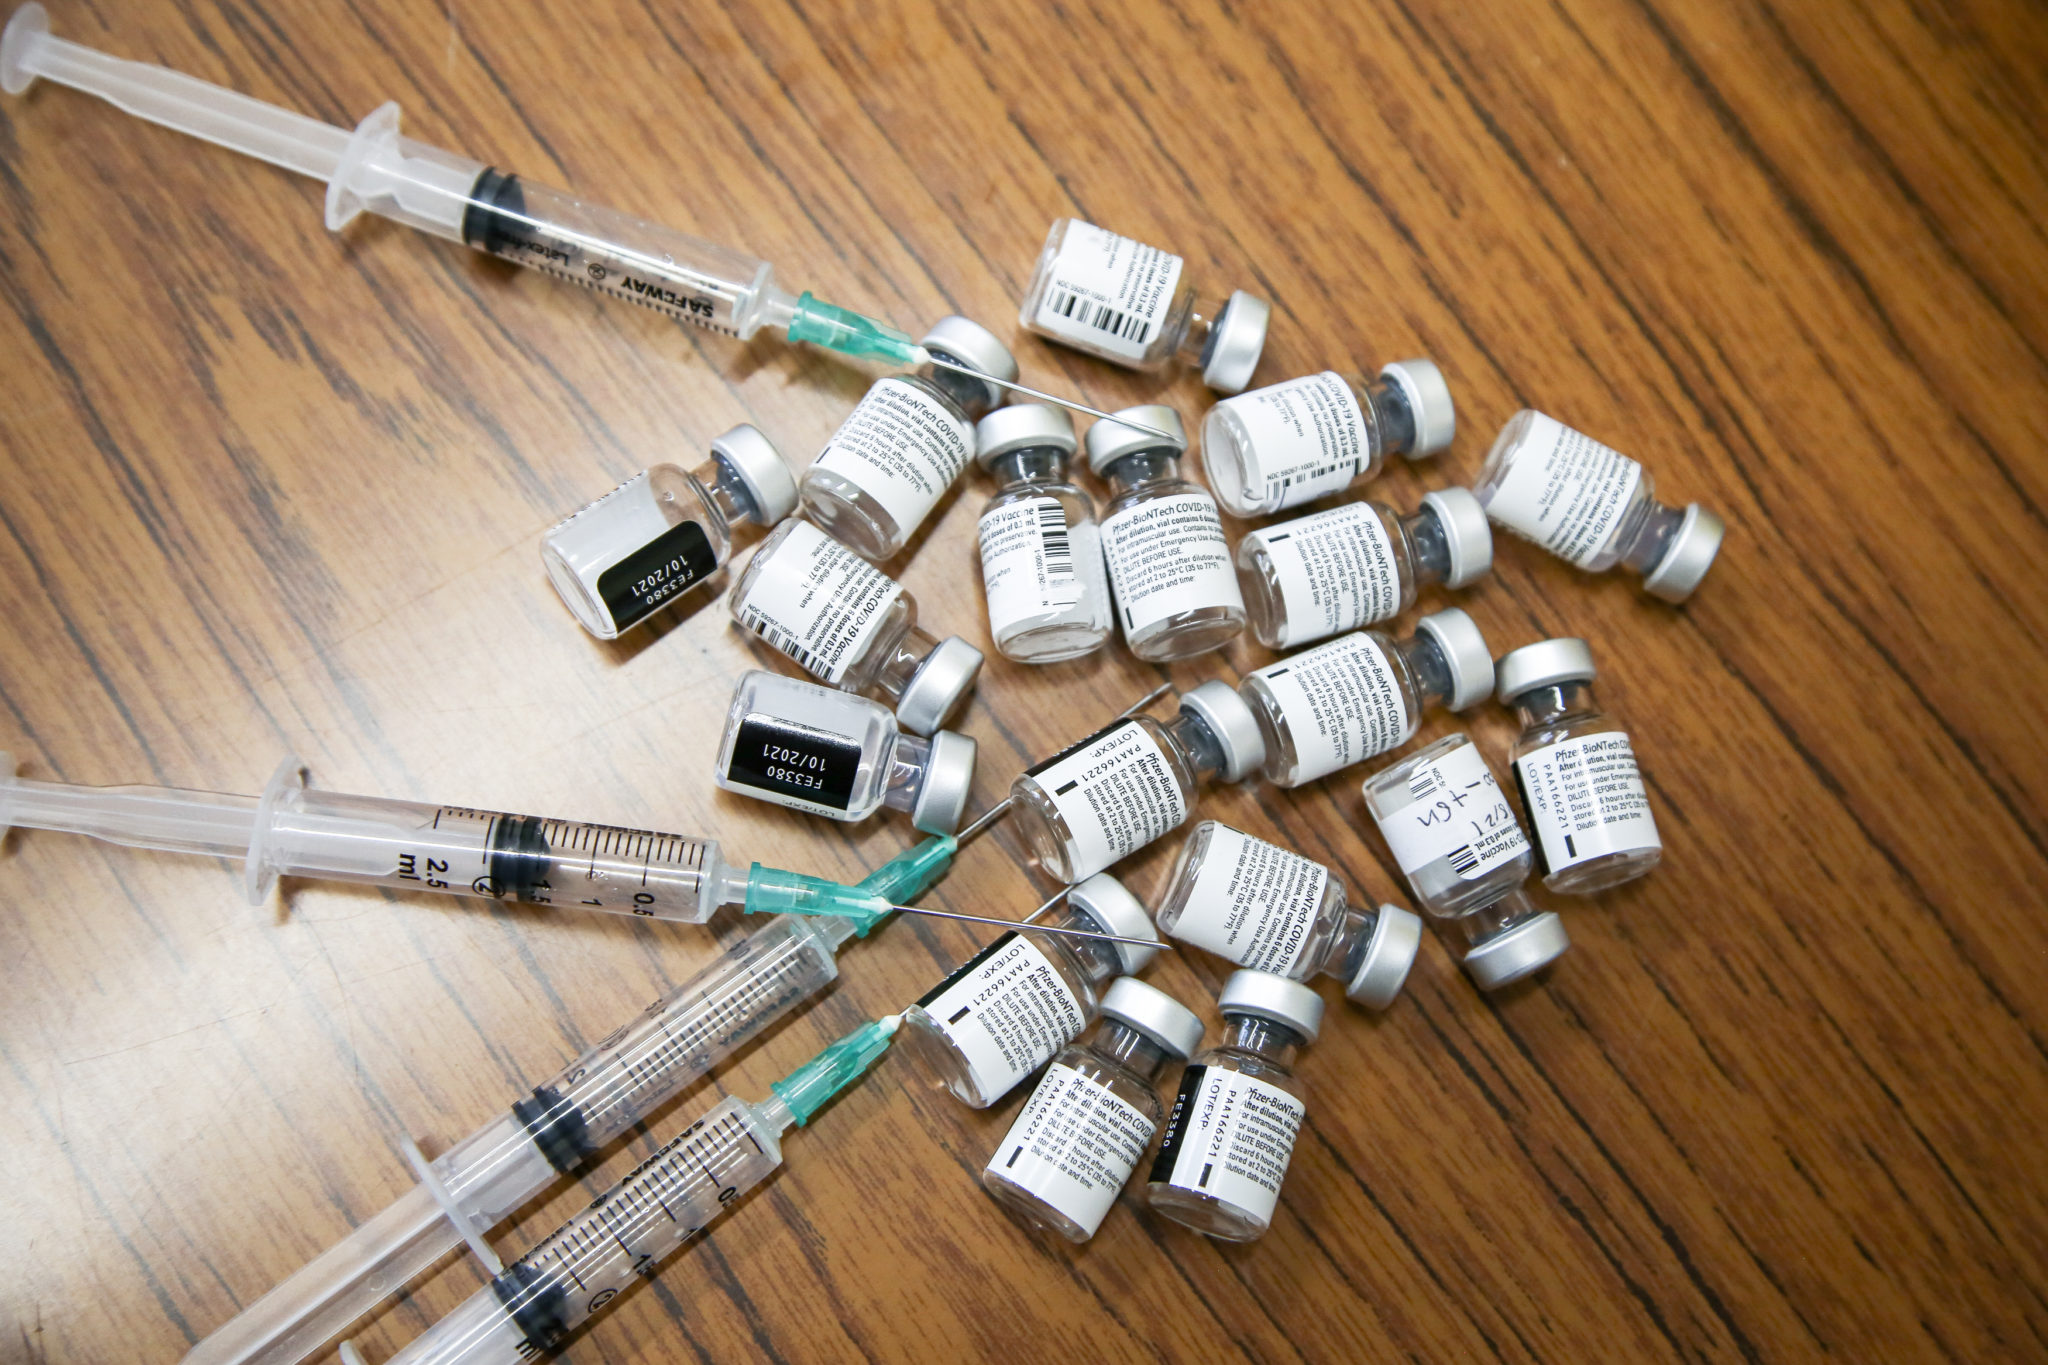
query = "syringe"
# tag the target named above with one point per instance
(537, 1301)
(294, 830)
(373, 168)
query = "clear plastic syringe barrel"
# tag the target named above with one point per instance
(626, 1231)
(689, 279)
(502, 1165)
(412, 846)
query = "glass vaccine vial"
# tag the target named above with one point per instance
(1123, 786)
(620, 559)
(1135, 306)
(1093, 1115)
(1465, 858)
(1230, 1135)
(1020, 1000)
(1594, 507)
(1169, 566)
(1363, 694)
(851, 626)
(1577, 772)
(910, 437)
(813, 749)
(1264, 907)
(1287, 444)
(1329, 572)
(1041, 551)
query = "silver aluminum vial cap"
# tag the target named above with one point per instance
(1465, 650)
(1543, 664)
(1466, 534)
(1396, 937)
(1266, 996)
(938, 687)
(1155, 1014)
(974, 346)
(760, 467)
(1689, 556)
(1232, 722)
(1109, 442)
(1508, 957)
(1106, 903)
(1234, 346)
(1429, 405)
(948, 777)
(1023, 426)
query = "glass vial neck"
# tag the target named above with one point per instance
(1427, 666)
(909, 759)
(1429, 548)
(1197, 743)
(975, 398)
(1198, 329)
(1099, 961)
(1033, 464)
(1391, 420)
(1646, 545)
(1490, 921)
(1142, 467)
(1116, 1041)
(725, 491)
(1346, 952)
(1265, 1039)
(906, 655)
(1540, 708)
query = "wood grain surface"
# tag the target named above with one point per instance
(270, 490)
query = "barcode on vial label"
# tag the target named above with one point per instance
(1426, 782)
(1059, 549)
(1100, 316)
(1462, 860)
(782, 640)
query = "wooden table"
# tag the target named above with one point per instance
(269, 490)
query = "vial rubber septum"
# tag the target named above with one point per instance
(1291, 443)
(1594, 507)
(1041, 548)
(620, 559)
(1134, 305)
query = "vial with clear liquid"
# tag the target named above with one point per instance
(1136, 306)
(1123, 786)
(1287, 444)
(641, 546)
(1041, 550)
(1088, 1124)
(1593, 506)
(1577, 772)
(1338, 704)
(1020, 1000)
(851, 626)
(1162, 539)
(1230, 1136)
(813, 749)
(1268, 908)
(910, 437)
(1329, 572)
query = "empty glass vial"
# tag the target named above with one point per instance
(1329, 572)
(1265, 907)
(1124, 786)
(1450, 827)
(1169, 566)
(1593, 506)
(850, 625)
(1025, 996)
(813, 749)
(1509, 939)
(620, 559)
(1287, 444)
(1134, 305)
(1340, 703)
(1041, 551)
(893, 459)
(1577, 772)
(1087, 1125)
(1231, 1133)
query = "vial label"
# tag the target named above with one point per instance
(1106, 292)
(1565, 491)
(1585, 799)
(1456, 813)
(818, 602)
(1231, 1136)
(1007, 1012)
(1336, 572)
(902, 447)
(673, 562)
(1300, 439)
(1252, 902)
(1028, 561)
(1074, 1146)
(795, 763)
(1167, 556)
(1117, 793)
(1340, 702)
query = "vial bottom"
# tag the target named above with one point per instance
(1045, 833)
(1032, 1211)
(942, 1063)
(1052, 642)
(1205, 1213)
(845, 512)
(1609, 869)
(1186, 634)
